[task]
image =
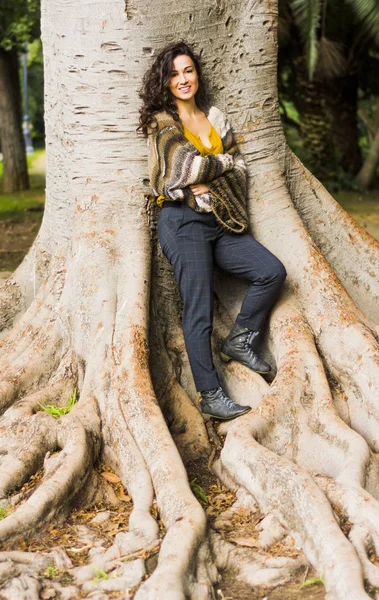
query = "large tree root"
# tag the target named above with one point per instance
(68, 457)
(181, 513)
(20, 574)
(252, 566)
(288, 453)
(349, 249)
(265, 452)
(25, 290)
(333, 317)
(297, 421)
(360, 511)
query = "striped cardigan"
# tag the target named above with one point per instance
(175, 164)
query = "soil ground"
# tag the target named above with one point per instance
(20, 218)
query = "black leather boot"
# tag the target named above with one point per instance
(240, 345)
(216, 403)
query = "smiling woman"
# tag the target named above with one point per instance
(184, 82)
(199, 178)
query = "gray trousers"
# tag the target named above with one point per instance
(193, 242)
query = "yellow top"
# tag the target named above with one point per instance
(215, 148)
(215, 140)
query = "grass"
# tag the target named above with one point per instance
(59, 411)
(52, 571)
(30, 159)
(12, 206)
(313, 581)
(198, 491)
(100, 575)
(3, 513)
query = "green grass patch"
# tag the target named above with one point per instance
(30, 160)
(13, 206)
(198, 491)
(51, 571)
(59, 411)
(4, 512)
(100, 575)
(314, 581)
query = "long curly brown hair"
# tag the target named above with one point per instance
(155, 91)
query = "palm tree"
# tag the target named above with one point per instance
(330, 42)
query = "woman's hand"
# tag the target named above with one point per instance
(199, 188)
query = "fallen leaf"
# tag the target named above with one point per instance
(122, 496)
(111, 477)
(116, 531)
(49, 593)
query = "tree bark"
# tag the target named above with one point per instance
(94, 306)
(316, 129)
(15, 171)
(341, 96)
(328, 111)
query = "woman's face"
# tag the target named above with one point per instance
(184, 82)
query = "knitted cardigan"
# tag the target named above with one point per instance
(175, 164)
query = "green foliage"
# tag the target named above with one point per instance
(313, 581)
(307, 14)
(19, 23)
(35, 91)
(367, 13)
(333, 32)
(59, 411)
(51, 571)
(198, 491)
(4, 512)
(100, 575)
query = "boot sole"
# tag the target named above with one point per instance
(208, 417)
(227, 359)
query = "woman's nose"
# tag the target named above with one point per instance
(183, 78)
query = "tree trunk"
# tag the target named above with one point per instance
(341, 96)
(366, 175)
(95, 293)
(15, 171)
(316, 130)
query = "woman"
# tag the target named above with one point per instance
(199, 179)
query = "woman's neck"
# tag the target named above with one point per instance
(187, 109)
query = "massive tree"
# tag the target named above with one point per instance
(94, 306)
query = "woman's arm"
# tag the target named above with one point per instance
(175, 164)
(235, 181)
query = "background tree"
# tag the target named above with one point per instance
(94, 294)
(36, 92)
(19, 22)
(330, 50)
(369, 118)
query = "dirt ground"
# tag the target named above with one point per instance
(215, 499)
(363, 207)
(16, 237)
